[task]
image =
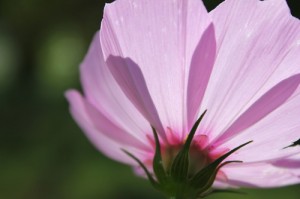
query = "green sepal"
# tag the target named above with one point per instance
(151, 179)
(158, 166)
(205, 182)
(296, 143)
(216, 191)
(204, 179)
(180, 165)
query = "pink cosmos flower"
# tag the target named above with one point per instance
(163, 63)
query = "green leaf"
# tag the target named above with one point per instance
(158, 166)
(180, 165)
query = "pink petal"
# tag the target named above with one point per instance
(103, 92)
(160, 37)
(271, 134)
(109, 147)
(258, 47)
(259, 175)
(131, 80)
(270, 101)
(292, 162)
(200, 70)
(111, 130)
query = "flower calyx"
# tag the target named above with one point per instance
(176, 182)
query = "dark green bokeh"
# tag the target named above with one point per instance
(43, 154)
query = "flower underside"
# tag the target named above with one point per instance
(174, 176)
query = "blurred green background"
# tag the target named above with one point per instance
(43, 154)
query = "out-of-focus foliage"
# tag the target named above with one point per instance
(43, 154)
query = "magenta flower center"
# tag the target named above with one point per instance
(200, 154)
